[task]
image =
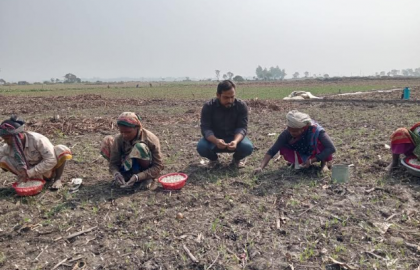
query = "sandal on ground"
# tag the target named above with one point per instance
(75, 185)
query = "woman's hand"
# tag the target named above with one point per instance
(119, 179)
(134, 179)
(308, 163)
(22, 176)
(131, 182)
(257, 170)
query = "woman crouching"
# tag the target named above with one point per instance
(304, 142)
(31, 155)
(404, 141)
(134, 154)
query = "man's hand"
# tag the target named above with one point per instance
(232, 145)
(221, 144)
(119, 179)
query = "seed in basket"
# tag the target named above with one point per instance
(29, 188)
(172, 178)
(173, 181)
(29, 184)
(414, 161)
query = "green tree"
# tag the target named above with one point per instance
(71, 78)
(275, 72)
(410, 72)
(283, 74)
(266, 74)
(394, 72)
(272, 72)
(217, 74)
(238, 78)
(306, 74)
(296, 75)
(230, 75)
(269, 74)
(259, 72)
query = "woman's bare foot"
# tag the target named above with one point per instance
(329, 164)
(149, 184)
(391, 167)
(325, 169)
(394, 163)
(56, 185)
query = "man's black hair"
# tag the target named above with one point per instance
(225, 85)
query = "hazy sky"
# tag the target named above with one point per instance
(158, 38)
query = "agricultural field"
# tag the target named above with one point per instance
(206, 89)
(230, 219)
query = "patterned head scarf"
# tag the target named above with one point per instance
(15, 127)
(296, 119)
(129, 119)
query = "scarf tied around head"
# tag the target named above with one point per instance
(296, 119)
(307, 144)
(129, 119)
(15, 127)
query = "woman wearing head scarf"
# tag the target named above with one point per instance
(134, 154)
(404, 141)
(30, 154)
(303, 143)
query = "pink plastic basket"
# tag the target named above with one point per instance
(29, 191)
(407, 160)
(176, 185)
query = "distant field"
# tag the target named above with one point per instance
(232, 219)
(204, 90)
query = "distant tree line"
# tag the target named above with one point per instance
(273, 73)
(409, 72)
(68, 78)
(71, 78)
(306, 73)
(229, 76)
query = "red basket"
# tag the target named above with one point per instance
(29, 191)
(176, 185)
(407, 161)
